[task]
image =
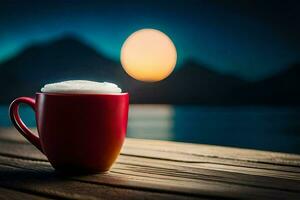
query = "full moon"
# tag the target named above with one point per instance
(148, 55)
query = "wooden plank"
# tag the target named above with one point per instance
(226, 165)
(142, 173)
(17, 195)
(30, 174)
(39, 178)
(143, 167)
(192, 153)
(155, 166)
(201, 161)
(29, 152)
(210, 151)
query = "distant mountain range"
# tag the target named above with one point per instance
(70, 58)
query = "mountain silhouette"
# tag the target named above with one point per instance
(191, 83)
(69, 58)
(280, 89)
(65, 58)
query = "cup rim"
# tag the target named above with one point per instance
(80, 94)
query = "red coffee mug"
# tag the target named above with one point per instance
(77, 132)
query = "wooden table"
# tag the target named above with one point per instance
(149, 169)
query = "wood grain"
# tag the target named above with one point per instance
(39, 178)
(165, 169)
(17, 195)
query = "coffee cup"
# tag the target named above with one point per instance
(77, 132)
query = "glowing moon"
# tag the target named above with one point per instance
(148, 55)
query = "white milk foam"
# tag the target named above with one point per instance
(81, 87)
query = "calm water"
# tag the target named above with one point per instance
(276, 129)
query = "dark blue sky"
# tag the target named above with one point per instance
(251, 39)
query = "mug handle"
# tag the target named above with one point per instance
(19, 124)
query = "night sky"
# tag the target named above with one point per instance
(251, 39)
